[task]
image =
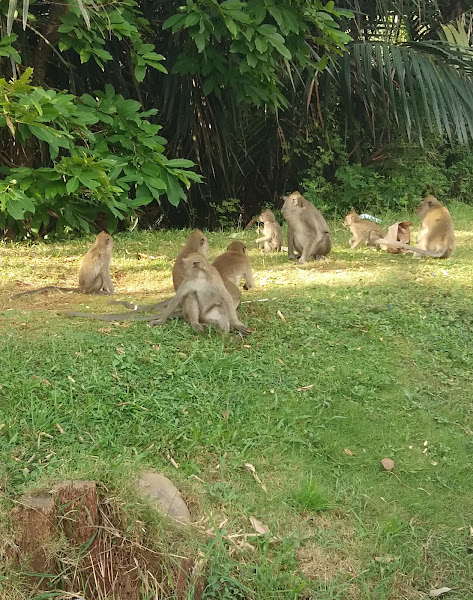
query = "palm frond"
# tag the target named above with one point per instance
(416, 84)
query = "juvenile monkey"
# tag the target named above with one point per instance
(272, 232)
(307, 231)
(362, 230)
(203, 299)
(196, 242)
(234, 264)
(94, 270)
(436, 237)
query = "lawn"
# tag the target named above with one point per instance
(360, 357)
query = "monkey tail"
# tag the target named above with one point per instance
(140, 307)
(433, 253)
(112, 317)
(47, 288)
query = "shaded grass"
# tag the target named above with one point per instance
(385, 343)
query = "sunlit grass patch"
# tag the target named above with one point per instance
(372, 360)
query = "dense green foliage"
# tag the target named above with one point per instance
(99, 148)
(255, 93)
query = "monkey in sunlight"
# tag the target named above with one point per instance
(436, 237)
(94, 270)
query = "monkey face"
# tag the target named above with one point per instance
(291, 203)
(266, 217)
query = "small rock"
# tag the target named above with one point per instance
(164, 494)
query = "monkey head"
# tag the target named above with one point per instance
(427, 204)
(352, 217)
(267, 216)
(104, 239)
(294, 201)
(238, 247)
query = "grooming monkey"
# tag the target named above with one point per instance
(195, 242)
(307, 231)
(203, 298)
(436, 237)
(272, 232)
(94, 270)
(362, 230)
(233, 266)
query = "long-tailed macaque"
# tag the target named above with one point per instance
(272, 232)
(234, 264)
(362, 230)
(436, 237)
(94, 270)
(307, 231)
(196, 242)
(203, 299)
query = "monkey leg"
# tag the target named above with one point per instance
(191, 313)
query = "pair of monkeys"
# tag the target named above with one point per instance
(436, 237)
(307, 231)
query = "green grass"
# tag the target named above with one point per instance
(385, 342)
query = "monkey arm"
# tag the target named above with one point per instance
(290, 243)
(354, 243)
(249, 281)
(265, 238)
(107, 283)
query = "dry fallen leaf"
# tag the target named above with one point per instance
(105, 330)
(438, 592)
(172, 461)
(61, 430)
(388, 464)
(252, 470)
(386, 559)
(305, 387)
(259, 527)
(280, 361)
(281, 316)
(348, 451)
(226, 414)
(183, 354)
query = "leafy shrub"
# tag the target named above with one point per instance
(105, 159)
